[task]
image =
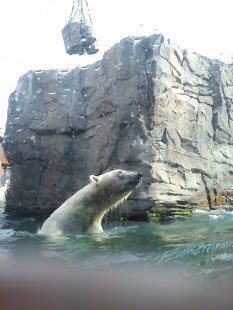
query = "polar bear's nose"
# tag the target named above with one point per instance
(139, 176)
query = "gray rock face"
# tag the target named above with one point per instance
(146, 106)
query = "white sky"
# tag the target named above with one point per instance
(30, 32)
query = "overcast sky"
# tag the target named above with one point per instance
(30, 32)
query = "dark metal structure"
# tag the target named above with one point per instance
(78, 32)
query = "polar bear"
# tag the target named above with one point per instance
(84, 211)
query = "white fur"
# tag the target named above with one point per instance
(84, 211)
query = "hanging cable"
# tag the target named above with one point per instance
(72, 12)
(89, 13)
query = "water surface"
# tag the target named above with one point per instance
(201, 245)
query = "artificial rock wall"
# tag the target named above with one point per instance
(146, 106)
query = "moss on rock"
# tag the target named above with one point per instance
(164, 214)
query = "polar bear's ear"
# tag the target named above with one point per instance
(94, 179)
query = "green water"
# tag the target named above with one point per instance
(200, 245)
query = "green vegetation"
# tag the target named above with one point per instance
(164, 214)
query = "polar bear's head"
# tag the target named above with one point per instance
(116, 184)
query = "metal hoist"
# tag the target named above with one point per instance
(78, 32)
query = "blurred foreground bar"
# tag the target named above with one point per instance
(113, 287)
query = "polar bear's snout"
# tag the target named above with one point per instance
(139, 176)
(136, 178)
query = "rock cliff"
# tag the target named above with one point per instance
(147, 106)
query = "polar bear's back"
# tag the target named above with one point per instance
(69, 216)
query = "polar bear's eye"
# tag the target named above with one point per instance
(120, 173)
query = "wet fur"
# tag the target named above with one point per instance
(84, 211)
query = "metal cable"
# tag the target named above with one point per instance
(88, 10)
(72, 11)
